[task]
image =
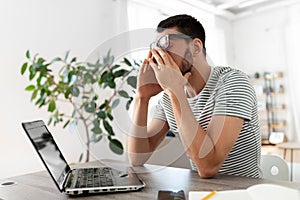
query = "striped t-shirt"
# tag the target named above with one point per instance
(228, 92)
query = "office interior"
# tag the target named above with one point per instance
(261, 39)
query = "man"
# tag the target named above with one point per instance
(213, 110)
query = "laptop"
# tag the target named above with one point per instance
(81, 180)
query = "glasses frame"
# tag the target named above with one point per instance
(168, 37)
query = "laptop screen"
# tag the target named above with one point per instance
(47, 150)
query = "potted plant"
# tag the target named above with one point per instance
(79, 84)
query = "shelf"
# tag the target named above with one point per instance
(272, 110)
(270, 92)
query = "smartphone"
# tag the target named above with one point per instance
(170, 195)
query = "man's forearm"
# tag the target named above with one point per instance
(138, 142)
(196, 141)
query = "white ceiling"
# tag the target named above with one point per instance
(228, 9)
(240, 7)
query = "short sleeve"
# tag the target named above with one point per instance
(158, 112)
(235, 96)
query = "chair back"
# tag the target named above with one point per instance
(170, 153)
(274, 167)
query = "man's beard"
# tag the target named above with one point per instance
(186, 63)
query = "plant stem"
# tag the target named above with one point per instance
(86, 131)
(87, 141)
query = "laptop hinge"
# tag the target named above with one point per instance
(65, 181)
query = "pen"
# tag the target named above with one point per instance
(212, 193)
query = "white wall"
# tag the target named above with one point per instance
(49, 28)
(259, 41)
(147, 14)
(269, 41)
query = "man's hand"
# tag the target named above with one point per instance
(167, 71)
(147, 85)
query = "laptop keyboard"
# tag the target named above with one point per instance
(94, 177)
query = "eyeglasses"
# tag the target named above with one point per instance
(164, 41)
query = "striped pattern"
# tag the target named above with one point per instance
(227, 92)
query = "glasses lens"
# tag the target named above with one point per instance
(163, 42)
(153, 45)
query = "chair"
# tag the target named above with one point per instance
(274, 167)
(170, 153)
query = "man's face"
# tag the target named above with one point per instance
(179, 50)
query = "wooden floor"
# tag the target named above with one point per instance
(273, 150)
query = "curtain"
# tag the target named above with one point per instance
(292, 32)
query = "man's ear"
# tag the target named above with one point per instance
(197, 46)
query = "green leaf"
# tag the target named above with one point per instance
(115, 67)
(50, 120)
(80, 157)
(38, 80)
(55, 60)
(73, 60)
(131, 80)
(102, 106)
(81, 68)
(101, 114)
(73, 124)
(51, 106)
(91, 107)
(96, 137)
(42, 103)
(108, 60)
(67, 93)
(137, 63)
(128, 103)
(127, 62)
(115, 103)
(74, 112)
(32, 75)
(66, 55)
(88, 78)
(73, 79)
(30, 88)
(23, 69)
(120, 73)
(66, 124)
(75, 91)
(39, 101)
(110, 116)
(96, 122)
(34, 94)
(95, 97)
(28, 54)
(111, 84)
(96, 130)
(108, 128)
(116, 146)
(41, 61)
(123, 94)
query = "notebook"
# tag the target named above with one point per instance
(255, 192)
(81, 180)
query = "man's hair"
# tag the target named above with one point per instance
(185, 24)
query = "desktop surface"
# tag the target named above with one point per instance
(40, 185)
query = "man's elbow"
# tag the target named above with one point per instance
(136, 162)
(136, 159)
(207, 173)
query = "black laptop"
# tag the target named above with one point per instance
(81, 180)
